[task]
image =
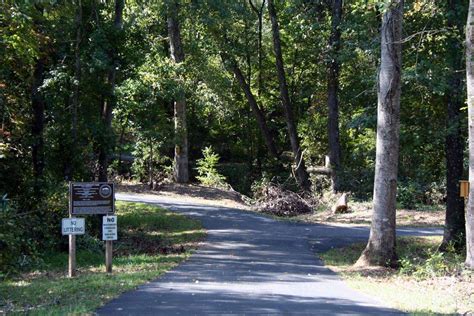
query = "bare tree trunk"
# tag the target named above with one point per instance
(150, 165)
(260, 117)
(301, 173)
(333, 88)
(37, 124)
(110, 101)
(258, 9)
(181, 172)
(75, 94)
(454, 229)
(380, 249)
(38, 107)
(470, 103)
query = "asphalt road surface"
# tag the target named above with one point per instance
(253, 265)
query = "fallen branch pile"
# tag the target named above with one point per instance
(277, 201)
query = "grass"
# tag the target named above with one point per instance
(427, 282)
(151, 241)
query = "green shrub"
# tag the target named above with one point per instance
(409, 194)
(17, 249)
(425, 262)
(148, 159)
(412, 194)
(207, 169)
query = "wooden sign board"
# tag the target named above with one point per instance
(87, 198)
(464, 189)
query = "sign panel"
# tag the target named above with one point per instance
(73, 226)
(109, 227)
(91, 198)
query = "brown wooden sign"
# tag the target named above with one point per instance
(91, 198)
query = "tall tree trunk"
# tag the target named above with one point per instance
(454, 229)
(380, 249)
(301, 173)
(38, 108)
(181, 172)
(258, 9)
(260, 117)
(109, 100)
(333, 88)
(470, 103)
(69, 172)
(37, 128)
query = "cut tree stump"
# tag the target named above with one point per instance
(341, 205)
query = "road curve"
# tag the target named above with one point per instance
(252, 265)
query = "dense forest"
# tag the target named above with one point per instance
(269, 91)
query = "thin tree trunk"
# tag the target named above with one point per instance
(181, 169)
(109, 100)
(333, 88)
(150, 165)
(380, 249)
(301, 173)
(259, 116)
(37, 125)
(259, 12)
(75, 95)
(38, 107)
(454, 229)
(470, 103)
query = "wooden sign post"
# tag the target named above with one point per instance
(109, 233)
(108, 256)
(72, 256)
(72, 227)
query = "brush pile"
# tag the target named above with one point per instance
(275, 200)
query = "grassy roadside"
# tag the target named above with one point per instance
(151, 241)
(427, 282)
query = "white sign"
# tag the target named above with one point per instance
(109, 228)
(73, 226)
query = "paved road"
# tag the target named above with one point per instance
(252, 265)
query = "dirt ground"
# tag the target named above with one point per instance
(360, 211)
(192, 193)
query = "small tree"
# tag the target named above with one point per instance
(207, 169)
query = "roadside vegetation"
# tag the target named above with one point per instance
(426, 282)
(151, 241)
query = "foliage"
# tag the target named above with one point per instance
(17, 249)
(75, 52)
(149, 163)
(430, 262)
(207, 169)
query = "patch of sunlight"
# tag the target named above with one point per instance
(175, 234)
(21, 283)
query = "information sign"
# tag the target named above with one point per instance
(109, 228)
(91, 198)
